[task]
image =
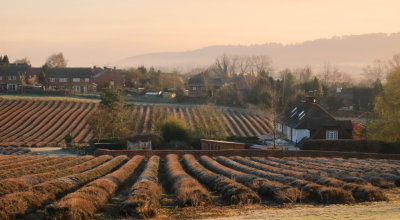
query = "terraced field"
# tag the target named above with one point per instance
(106, 187)
(46, 122)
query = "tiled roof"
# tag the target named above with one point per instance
(69, 72)
(13, 69)
(311, 116)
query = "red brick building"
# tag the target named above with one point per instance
(108, 77)
(76, 79)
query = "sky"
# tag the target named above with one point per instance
(100, 32)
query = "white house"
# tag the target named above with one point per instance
(309, 120)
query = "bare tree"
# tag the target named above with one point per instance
(56, 60)
(331, 75)
(23, 61)
(377, 70)
(228, 66)
(221, 65)
(303, 74)
(395, 61)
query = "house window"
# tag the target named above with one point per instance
(194, 88)
(12, 78)
(331, 135)
(52, 80)
(76, 79)
(112, 83)
(87, 80)
(63, 80)
(1, 77)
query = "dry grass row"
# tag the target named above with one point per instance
(189, 192)
(84, 203)
(24, 161)
(351, 177)
(6, 159)
(20, 203)
(46, 165)
(384, 175)
(231, 191)
(270, 190)
(378, 176)
(359, 192)
(26, 182)
(379, 179)
(144, 200)
(317, 192)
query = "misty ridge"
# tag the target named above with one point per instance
(350, 54)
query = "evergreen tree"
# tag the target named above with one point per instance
(5, 60)
(42, 77)
(318, 87)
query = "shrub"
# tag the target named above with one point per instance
(173, 128)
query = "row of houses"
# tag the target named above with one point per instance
(81, 80)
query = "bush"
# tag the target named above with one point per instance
(173, 128)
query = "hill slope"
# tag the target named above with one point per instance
(349, 53)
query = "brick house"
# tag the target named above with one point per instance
(10, 76)
(309, 120)
(108, 77)
(76, 79)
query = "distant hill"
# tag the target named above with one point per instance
(349, 53)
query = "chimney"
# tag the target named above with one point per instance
(311, 99)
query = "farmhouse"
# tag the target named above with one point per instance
(221, 145)
(309, 120)
(200, 85)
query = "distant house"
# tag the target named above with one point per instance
(200, 85)
(13, 77)
(10, 76)
(347, 96)
(309, 120)
(77, 79)
(221, 145)
(108, 77)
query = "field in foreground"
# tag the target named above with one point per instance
(105, 187)
(41, 122)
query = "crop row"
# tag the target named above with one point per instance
(41, 123)
(226, 121)
(79, 187)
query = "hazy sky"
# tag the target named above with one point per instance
(91, 32)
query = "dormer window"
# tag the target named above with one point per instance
(331, 134)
